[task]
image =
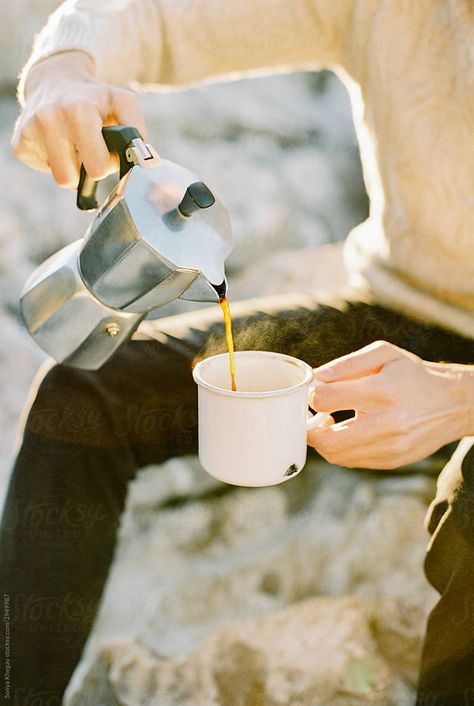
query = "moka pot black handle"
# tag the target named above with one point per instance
(118, 139)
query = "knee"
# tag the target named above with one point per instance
(450, 519)
(455, 492)
(69, 405)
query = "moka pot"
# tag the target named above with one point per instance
(160, 235)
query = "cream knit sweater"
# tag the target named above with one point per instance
(409, 68)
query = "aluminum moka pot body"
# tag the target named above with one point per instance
(160, 235)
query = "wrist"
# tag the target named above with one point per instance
(463, 381)
(469, 394)
(73, 64)
(458, 383)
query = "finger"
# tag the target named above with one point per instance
(127, 110)
(318, 420)
(61, 153)
(27, 144)
(361, 395)
(345, 437)
(366, 457)
(86, 132)
(360, 443)
(62, 159)
(366, 361)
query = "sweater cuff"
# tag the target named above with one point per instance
(32, 61)
(103, 35)
(62, 33)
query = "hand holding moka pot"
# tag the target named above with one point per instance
(160, 235)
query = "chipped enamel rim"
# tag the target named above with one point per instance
(200, 369)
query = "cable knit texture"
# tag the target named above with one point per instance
(409, 68)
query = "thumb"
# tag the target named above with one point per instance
(366, 361)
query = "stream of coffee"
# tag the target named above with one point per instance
(229, 338)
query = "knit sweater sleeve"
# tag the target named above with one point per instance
(187, 41)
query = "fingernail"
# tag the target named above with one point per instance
(324, 373)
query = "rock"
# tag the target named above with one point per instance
(397, 627)
(190, 561)
(320, 652)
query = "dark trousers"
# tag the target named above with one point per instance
(87, 434)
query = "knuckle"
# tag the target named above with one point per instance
(383, 391)
(24, 131)
(382, 345)
(318, 397)
(47, 114)
(27, 133)
(71, 110)
(21, 146)
(77, 109)
(328, 398)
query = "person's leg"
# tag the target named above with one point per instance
(85, 436)
(65, 498)
(447, 668)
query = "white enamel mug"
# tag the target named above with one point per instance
(257, 435)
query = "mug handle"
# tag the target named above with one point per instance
(320, 419)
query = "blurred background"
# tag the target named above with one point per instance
(340, 551)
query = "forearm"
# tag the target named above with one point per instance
(169, 42)
(459, 383)
(465, 381)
